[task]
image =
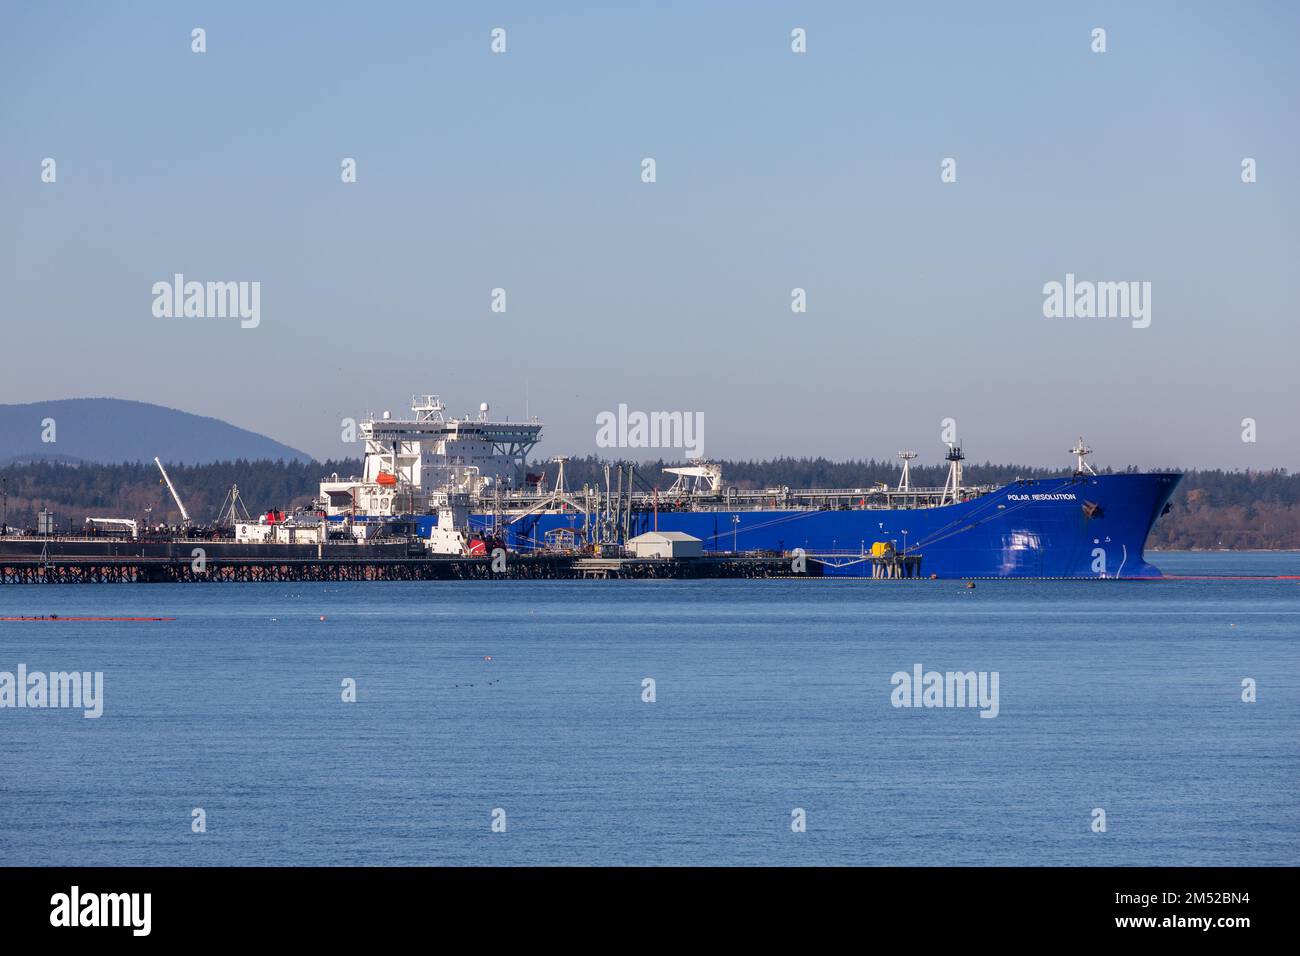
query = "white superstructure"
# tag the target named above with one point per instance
(409, 460)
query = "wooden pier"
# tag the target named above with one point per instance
(140, 569)
(891, 565)
(896, 566)
(721, 566)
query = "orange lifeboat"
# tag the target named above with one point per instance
(386, 479)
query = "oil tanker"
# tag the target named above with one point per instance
(460, 485)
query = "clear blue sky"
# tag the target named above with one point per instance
(775, 170)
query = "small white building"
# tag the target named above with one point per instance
(263, 532)
(666, 544)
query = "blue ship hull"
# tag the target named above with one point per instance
(1069, 527)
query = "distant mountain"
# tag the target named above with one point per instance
(110, 430)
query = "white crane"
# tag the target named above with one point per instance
(185, 515)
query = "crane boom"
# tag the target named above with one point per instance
(185, 515)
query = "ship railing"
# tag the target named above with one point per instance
(760, 498)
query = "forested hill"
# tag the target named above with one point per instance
(1211, 509)
(109, 430)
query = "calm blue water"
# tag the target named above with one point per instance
(770, 696)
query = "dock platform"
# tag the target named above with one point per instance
(139, 569)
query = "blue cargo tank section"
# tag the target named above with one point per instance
(1079, 526)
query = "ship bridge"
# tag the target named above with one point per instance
(433, 451)
(406, 459)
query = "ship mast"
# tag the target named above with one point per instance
(952, 487)
(1080, 452)
(905, 483)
